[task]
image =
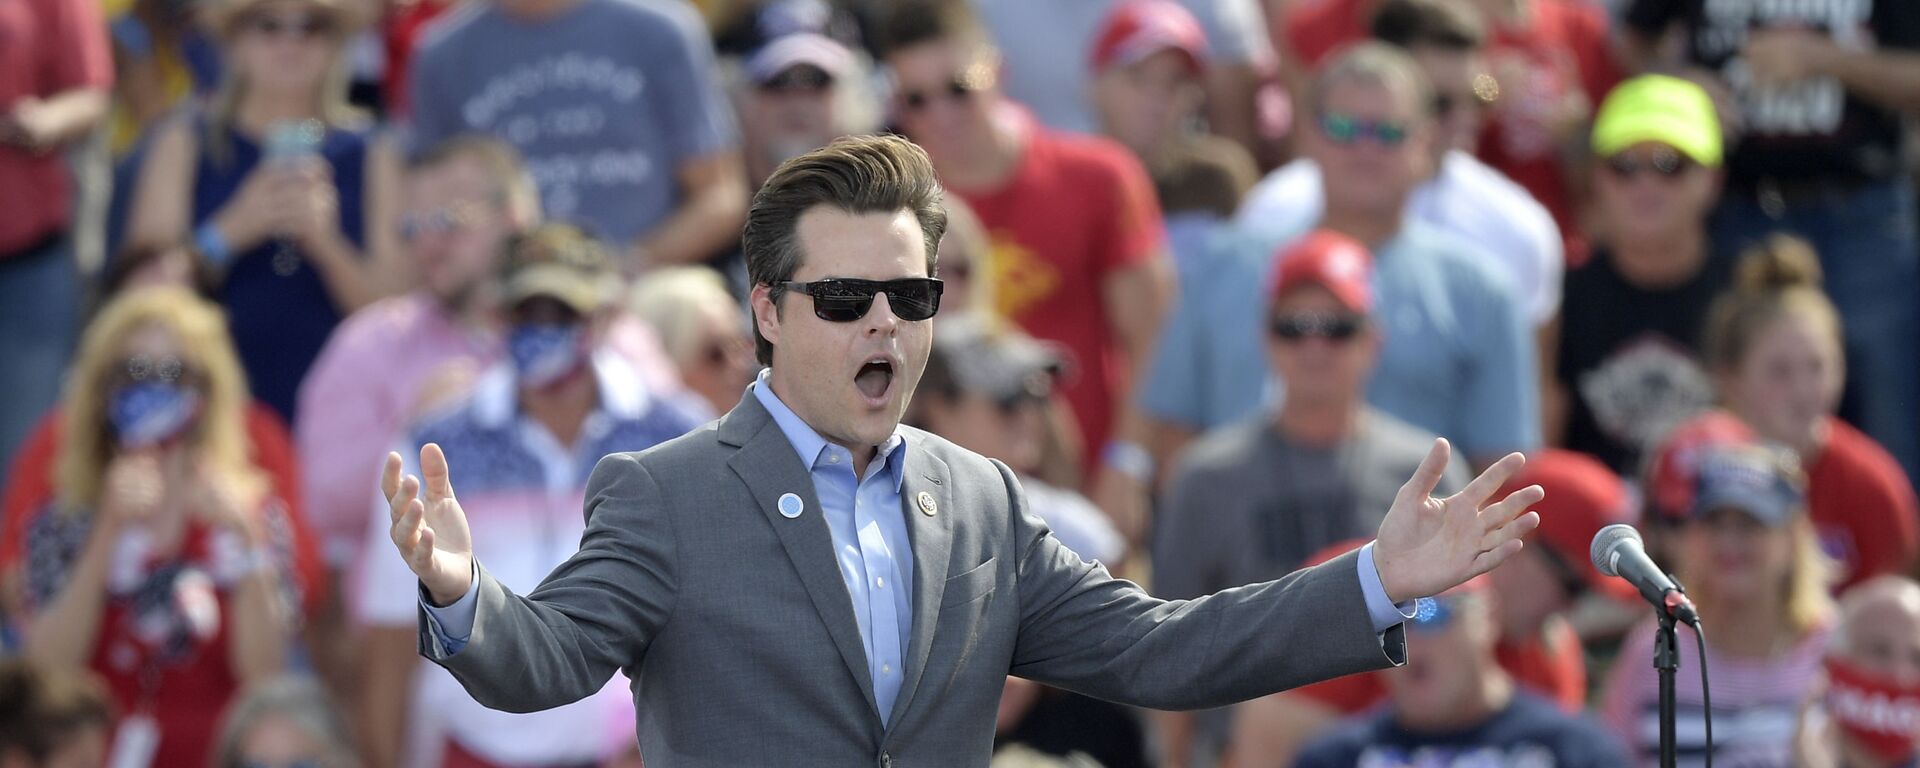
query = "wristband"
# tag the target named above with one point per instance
(1130, 459)
(212, 245)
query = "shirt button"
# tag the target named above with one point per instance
(886, 669)
(880, 582)
(833, 458)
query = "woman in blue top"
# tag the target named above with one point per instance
(285, 191)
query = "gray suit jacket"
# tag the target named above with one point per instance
(737, 629)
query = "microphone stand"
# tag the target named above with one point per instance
(1666, 659)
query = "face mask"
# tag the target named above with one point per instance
(545, 354)
(148, 413)
(1876, 714)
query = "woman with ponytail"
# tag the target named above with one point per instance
(1773, 345)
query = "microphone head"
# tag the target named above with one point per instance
(1606, 541)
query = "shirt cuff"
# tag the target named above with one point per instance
(1384, 612)
(452, 625)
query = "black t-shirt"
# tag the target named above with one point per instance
(1529, 732)
(1062, 723)
(1630, 357)
(1810, 130)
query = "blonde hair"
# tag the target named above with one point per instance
(1806, 600)
(330, 100)
(671, 301)
(1374, 63)
(970, 245)
(219, 437)
(514, 188)
(1777, 277)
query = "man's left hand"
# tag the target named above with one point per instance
(1428, 546)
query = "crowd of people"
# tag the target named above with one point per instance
(1216, 275)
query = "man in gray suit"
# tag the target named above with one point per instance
(807, 583)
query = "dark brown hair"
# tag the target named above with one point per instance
(1440, 24)
(41, 708)
(1777, 276)
(1205, 173)
(908, 23)
(861, 174)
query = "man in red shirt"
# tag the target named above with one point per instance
(55, 72)
(1078, 255)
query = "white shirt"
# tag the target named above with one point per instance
(1467, 199)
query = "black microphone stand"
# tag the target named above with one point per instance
(1666, 659)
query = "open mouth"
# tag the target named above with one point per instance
(875, 379)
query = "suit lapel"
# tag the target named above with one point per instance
(932, 536)
(767, 464)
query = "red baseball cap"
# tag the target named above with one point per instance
(1583, 496)
(1673, 474)
(1330, 260)
(1137, 29)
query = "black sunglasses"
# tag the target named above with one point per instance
(1664, 163)
(845, 299)
(961, 87)
(799, 79)
(1317, 325)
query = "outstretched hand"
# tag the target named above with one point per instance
(429, 529)
(1427, 546)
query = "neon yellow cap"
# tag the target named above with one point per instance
(1669, 110)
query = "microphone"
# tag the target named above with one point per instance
(1618, 551)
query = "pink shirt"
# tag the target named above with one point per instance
(47, 47)
(366, 387)
(1755, 701)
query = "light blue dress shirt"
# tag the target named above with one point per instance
(869, 539)
(870, 542)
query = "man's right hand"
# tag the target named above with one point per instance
(430, 530)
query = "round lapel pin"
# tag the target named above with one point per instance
(927, 505)
(791, 506)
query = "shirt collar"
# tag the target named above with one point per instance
(810, 445)
(622, 395)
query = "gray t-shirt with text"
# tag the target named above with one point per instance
(606, 100)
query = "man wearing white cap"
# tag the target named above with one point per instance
(799, 92)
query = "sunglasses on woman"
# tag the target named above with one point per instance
(161, 369)
(305, 26)
(1317, 325)
(844, 300)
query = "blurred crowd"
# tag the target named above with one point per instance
(1218, 273)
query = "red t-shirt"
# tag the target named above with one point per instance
(47, 47)
(1551, 666)
(1560, 53)
(1076, 210)
(404, 27)
(193, 686)
(1862, 506)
